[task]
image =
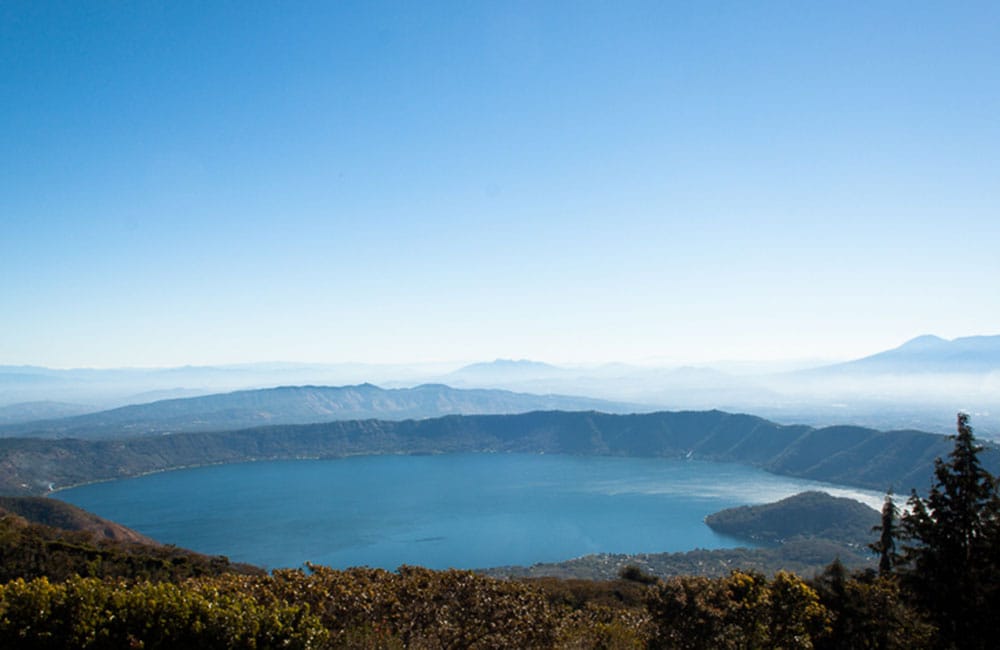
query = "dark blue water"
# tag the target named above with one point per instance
(463, 510)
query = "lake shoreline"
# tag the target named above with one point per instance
(642, 483)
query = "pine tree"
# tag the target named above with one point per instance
(886, 544)
(953, 536)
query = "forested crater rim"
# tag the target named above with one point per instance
(843, 455)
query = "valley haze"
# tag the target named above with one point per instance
(919, 385)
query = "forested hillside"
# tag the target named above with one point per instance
(809, 514)
(32, 550)
(846, 455)
(802, 533)
(66, 516)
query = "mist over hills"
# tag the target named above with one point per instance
(930, 354)
(679, 387)
(502, 370)
(42, 410)
(920, 384)
(299, 405)
(105, 388)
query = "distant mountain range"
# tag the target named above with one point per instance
(300, 405)
(110, 387)
(920, 384)
(503, 370)
(929, 354)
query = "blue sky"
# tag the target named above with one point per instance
(198, 183)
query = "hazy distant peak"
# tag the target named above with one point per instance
(931, 342)
(512, 363)
(505, 369)
(929, 353)
(698, 370)
(313, 388)
(924, 342)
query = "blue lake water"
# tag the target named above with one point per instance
(461, 510)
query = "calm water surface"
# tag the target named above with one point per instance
(462, 510)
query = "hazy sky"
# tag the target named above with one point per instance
(209, 182)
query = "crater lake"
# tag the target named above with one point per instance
(440, 511)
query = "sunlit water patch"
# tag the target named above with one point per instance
(462, 510)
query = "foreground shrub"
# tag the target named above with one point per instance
(89, 613)
(419, 607)
(369, 609)
(743, 610)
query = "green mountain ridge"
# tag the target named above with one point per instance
(852, 456)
